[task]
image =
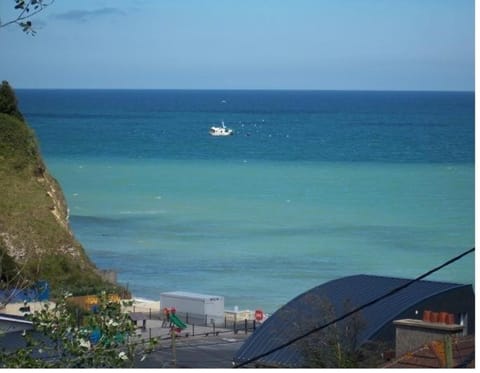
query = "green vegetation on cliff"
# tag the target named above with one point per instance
(36, 242)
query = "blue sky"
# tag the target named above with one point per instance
(244, 44)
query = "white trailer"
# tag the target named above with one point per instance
(195, 306)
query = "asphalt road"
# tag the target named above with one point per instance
(201, 352)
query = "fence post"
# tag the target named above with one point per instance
(77, 311)
(213, 323)
(206, 323)
(225, 322)
(235, 326)
(186, 318)
(150, 313)
(193, 330)
(254, 325)
(246, 326)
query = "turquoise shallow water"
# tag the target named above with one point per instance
(312, 187)
(260, 233)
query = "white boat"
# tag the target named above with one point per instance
(220, 131)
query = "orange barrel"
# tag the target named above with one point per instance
(442, 317)
(450, 318)
(426, 315)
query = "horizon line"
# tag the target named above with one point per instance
(248, 89)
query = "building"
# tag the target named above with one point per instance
(335, 298)
(12, 328)
(195, 308)
(432, 345)
(13, 323)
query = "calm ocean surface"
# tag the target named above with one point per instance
(313, 186)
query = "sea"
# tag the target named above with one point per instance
(312, 186)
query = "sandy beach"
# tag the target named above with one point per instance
(141, 305)
(16, 308)
(138, 305)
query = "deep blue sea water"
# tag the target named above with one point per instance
(314, 185)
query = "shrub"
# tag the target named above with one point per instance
(8, 101)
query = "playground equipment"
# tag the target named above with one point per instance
(172, 319)
(177, 322)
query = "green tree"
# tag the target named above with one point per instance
(107, 339)
(338, 346)
(8, 101)
(11, 276)
(26, 9)
(335, 346)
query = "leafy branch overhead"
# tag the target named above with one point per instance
(27, 9)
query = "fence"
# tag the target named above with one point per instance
(237, 323)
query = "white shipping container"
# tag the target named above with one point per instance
(195, 304)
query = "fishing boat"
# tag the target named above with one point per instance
(221, 131)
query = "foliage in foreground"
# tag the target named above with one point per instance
(26, 9)
(8, 101)
(106, 339)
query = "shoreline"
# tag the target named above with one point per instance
(138, 305)
(144, 305)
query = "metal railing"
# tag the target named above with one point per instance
(211, 321)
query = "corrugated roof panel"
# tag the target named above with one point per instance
(302, 313)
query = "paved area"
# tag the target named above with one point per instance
(196, 352)
(193, 347)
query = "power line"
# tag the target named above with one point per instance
(344, 316)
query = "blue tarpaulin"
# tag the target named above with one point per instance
(39, 292)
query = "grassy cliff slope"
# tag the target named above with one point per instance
(36, 242)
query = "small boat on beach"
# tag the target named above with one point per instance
(221, 131)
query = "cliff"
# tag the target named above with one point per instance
(36, 242)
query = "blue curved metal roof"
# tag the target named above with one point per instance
(296, 317)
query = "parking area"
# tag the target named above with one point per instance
(195, 346)
(212, 351)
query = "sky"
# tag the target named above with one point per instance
(243, 44)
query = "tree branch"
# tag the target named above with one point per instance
(37, 5)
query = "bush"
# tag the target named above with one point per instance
(8, 101)
(107, 339)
